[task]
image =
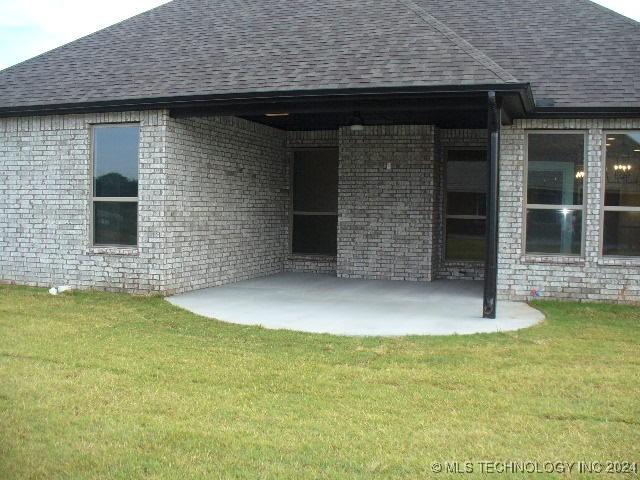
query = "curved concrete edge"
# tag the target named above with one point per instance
(322, 304)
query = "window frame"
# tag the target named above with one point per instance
(445, 208)
(536, 206)
(603, 186)
(293, 213)
(93, 199)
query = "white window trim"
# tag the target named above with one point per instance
(536, 206)
(105, 248)
(604, 208)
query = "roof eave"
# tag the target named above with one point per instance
(268, 98)
(586, 112)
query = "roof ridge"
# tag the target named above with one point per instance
(467, 47)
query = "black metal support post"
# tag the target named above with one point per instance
(494, 120)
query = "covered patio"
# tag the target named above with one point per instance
(368, 214)
(393, 186)
(318, 303)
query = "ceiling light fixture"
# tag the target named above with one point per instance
(356, 122)
(283, 114)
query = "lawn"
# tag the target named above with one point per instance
(98, 385)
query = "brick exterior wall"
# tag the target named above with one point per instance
(386, 198)
(214, 207)
(311, 264)
(312, 139)
(212, 203)
(443, 268)
(226, 202)
(591, 277)
(45, 205)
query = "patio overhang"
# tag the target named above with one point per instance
(446, 107)
(456, 108)
(452, 105)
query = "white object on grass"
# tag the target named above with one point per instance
(58, 290)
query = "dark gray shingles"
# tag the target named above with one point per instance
(478, 55)
(200, 47)
(573, 52)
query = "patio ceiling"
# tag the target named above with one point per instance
(455, 108)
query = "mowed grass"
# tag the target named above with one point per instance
(99, 385)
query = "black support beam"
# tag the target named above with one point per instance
(494, 121)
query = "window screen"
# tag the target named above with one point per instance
(315, 202)
(466, 205)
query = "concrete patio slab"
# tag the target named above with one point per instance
(325, 304)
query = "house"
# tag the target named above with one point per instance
(211, 141)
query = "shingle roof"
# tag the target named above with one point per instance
(573, 52)
(568, 49)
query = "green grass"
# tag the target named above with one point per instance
(98, 385)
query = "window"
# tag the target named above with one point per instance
(466, 205)
(315, 202)
(555, 193)
(621, 223)
(115, 185)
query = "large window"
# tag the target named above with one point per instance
(555, 193)
(466, 205)
(315, 202)
(621, 223)
(115, 184)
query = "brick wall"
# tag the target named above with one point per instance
(590, 277)
(386, 198)
(312, 139)
(45, 205)
(214, 200)
(212, 203)
(310, 264)
(226, 202)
